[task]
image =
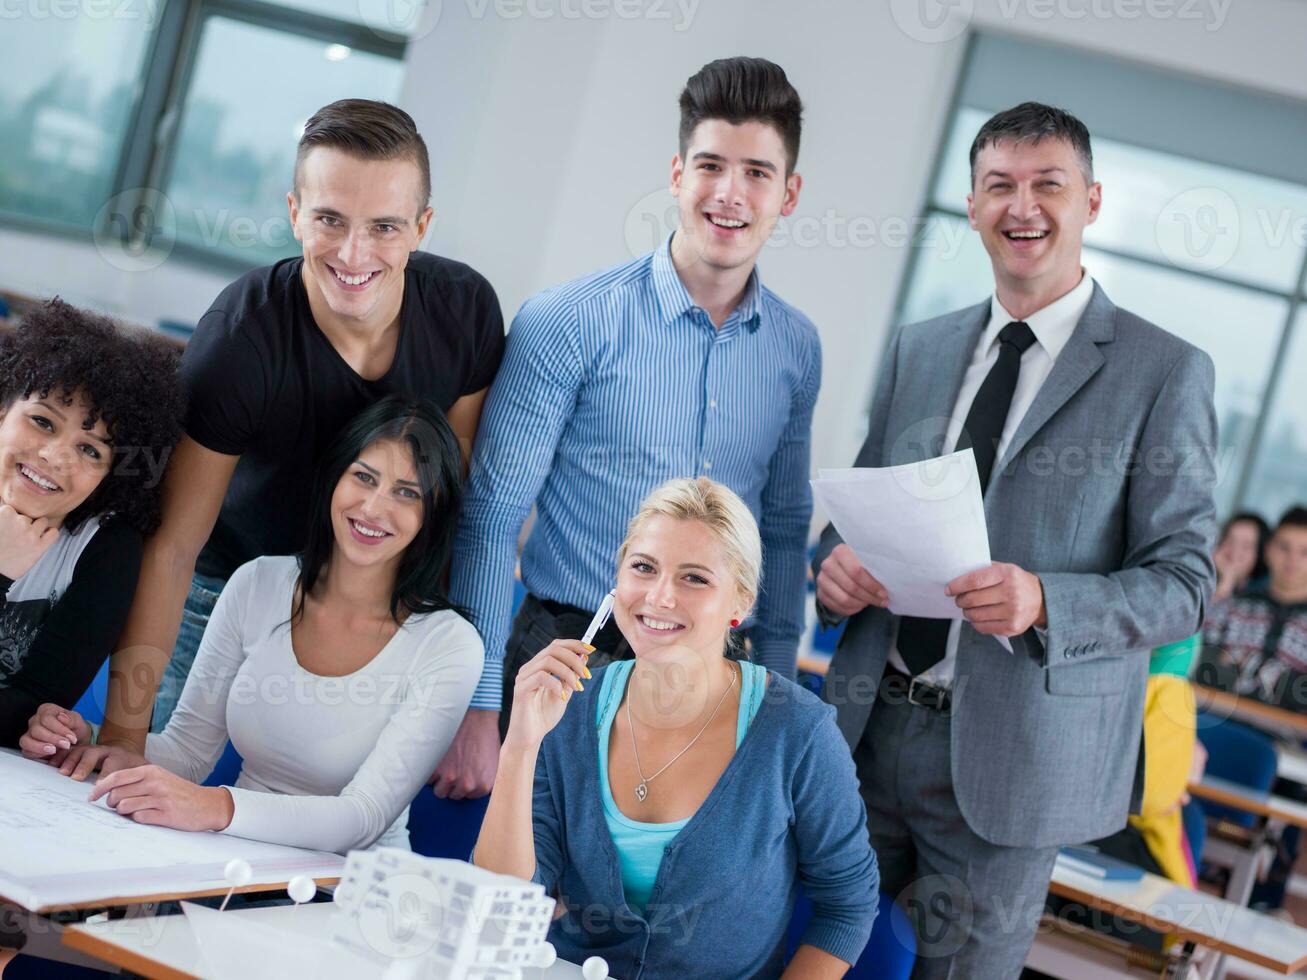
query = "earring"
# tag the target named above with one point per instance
(734, 623)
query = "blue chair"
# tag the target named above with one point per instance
(890, 952)
(177, 329)
(444, 828)
(91, 704)
(1195, 828)
(1240, 754)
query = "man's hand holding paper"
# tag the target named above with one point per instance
(918, 533)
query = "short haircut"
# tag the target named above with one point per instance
(1031, 122)
(717, 508)
(128, 378)
(367, 130)
(740, 90)
(1295, 516)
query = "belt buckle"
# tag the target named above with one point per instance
(912, 696)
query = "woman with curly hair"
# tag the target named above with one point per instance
(89, 412)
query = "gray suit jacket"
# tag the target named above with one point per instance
(1105, 493)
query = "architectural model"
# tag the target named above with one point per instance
(434, 918)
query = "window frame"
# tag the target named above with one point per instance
(148, 151)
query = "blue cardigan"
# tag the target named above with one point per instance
(786, 810)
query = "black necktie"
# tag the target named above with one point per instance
(922, 641)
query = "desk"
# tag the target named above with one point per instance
(1250, 801)
(1195, 917)
(1250, 711)
(1291, 764)
(164, 948)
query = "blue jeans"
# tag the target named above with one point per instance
(200, 601)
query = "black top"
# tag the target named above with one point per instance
(53, 641)
(266, 384)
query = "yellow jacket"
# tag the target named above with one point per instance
(1168, 753)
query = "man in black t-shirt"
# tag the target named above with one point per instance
(284, 357)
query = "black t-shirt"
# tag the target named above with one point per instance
(266, 384)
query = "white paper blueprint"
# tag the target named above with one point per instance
(57, 849)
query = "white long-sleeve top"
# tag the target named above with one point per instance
(329, 763)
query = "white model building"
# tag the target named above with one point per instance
(438, 918)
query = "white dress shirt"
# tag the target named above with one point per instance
(1052, 327)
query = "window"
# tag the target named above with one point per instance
(236, 148)
(64, 109)
(1207, 245)
(1279, 474)
(143, 130)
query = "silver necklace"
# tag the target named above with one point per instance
(642, 790)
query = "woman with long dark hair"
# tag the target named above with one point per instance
(341, 677)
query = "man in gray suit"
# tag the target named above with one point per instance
(1094, 435)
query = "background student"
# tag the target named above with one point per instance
(1240, 555)
(88, 415)
(1255, 643)
(678, 363)
(685, 792)
(282, 360)
(340, 677)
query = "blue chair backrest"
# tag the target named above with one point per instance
(1195, 828)
(1240, 754)
(444, 828)
(91, 704)
(890, 952)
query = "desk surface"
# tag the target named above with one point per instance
(1206, 920)
(165, 948)
(1249, 710)
(1291, 764)
(1242, 798)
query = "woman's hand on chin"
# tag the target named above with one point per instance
(22, 541)
(152, 795)
(543, 687)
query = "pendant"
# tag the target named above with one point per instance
(641, 791)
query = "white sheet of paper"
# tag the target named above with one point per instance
(56, 848)
(914, 527)
(241, 947)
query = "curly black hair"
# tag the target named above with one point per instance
(128, 377)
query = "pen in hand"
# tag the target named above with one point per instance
(600, 619)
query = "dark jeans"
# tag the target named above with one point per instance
(538, 623)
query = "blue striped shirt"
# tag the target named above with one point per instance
(610, 385)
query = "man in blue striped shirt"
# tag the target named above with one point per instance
(680, 363)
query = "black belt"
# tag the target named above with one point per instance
(897, 687)
(575, 620)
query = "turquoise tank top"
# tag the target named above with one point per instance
(640, 845)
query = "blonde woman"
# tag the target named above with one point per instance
(675, 800)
